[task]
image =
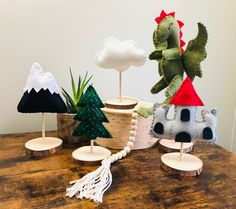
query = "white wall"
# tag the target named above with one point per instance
(62, 33)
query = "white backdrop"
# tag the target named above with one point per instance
(62, 33)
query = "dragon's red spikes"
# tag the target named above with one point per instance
(181, 24)
(160, 18)
(182, 43)
(171, 14)
(163, 15)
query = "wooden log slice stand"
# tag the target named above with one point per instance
(181, 163)
(43, 146)
(90, 154)
(123, 104)
(169, 145)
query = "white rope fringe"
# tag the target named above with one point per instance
(94, 184)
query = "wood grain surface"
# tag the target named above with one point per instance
(138, 179)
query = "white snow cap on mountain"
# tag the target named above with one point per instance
(38, 79)
(120, 55)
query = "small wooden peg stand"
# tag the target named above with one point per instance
(91, 154)
(181, 163)
(43, 145)
(121, 102)
(169, 145)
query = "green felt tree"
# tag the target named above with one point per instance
(91, 117)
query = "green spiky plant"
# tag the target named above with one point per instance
(72, 101)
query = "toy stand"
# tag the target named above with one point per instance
(43, 145)
(181, 163)
(168, 145)
(123, 104)
(90, 153)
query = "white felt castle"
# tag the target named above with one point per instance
(184, 127)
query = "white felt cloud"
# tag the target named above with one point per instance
(38, 80)
(120, 55)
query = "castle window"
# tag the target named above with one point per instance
(207, 133)
(159, 128)
(183, 137)
(185, 115)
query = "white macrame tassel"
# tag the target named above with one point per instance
(94, 184)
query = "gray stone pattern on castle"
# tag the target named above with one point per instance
(184, 127)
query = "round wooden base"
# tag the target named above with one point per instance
(43, 146)
(124, 104)
(188, 165)
(84, 154)
(168, 145)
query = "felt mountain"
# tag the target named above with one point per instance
(41, 93)
(184, 127)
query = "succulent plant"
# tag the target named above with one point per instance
(72, 101)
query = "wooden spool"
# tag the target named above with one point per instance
(43, 146)
(120, 125)
(168, 145)
(185, 165)
(90, 154)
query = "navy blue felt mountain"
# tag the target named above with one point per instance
(42, 101)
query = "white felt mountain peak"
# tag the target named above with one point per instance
(38, 79)
(120, 55)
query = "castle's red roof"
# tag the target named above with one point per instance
(186, 95)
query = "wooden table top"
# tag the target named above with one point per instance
(138, 180)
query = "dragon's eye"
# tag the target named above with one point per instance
(170, 26)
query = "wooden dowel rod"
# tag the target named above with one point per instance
(43, 125)
(91, 145)
(120, 85)
(181, 151)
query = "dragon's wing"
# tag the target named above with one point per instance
(195, 53)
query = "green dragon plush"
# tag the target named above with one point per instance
(173, 61)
